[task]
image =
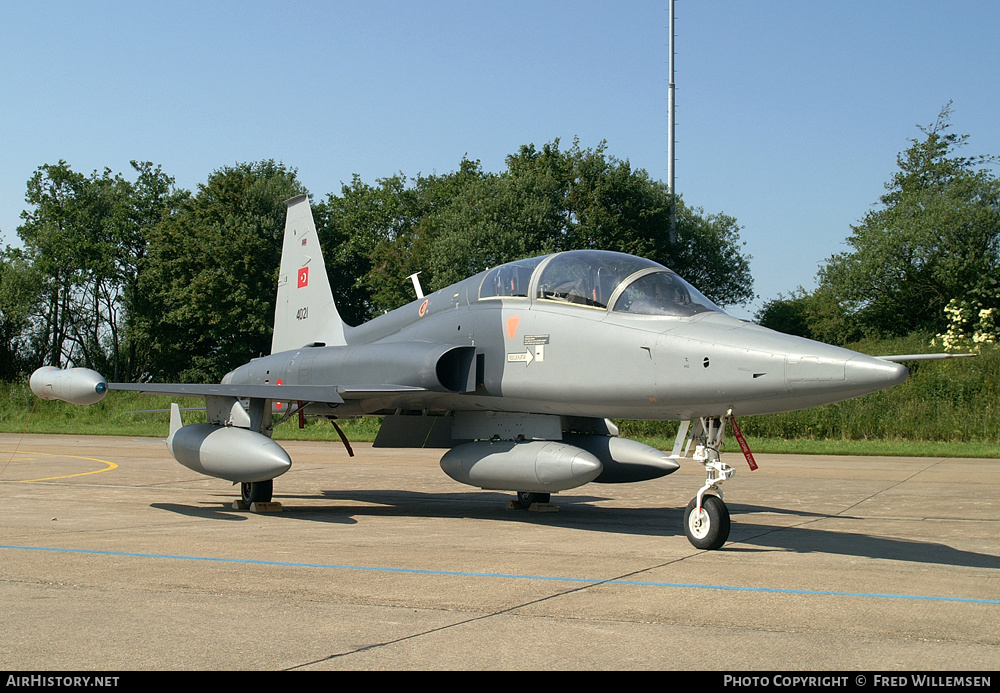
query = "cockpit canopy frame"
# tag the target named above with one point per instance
(597, 279)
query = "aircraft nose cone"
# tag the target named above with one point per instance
(871, 374)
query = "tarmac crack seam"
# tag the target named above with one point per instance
(840, 513)
(439, 629)
(890, 487)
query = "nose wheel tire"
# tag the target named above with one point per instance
(256, 491)
(708, 529)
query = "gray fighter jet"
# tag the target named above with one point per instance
(517, 371)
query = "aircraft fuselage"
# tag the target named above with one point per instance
(541, 356)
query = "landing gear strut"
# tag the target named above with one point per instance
(706, 518)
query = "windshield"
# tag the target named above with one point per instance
(588, 277)
(663, 293)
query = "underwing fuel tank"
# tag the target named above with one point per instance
(73, 385)
(226, 452)
(538, 466)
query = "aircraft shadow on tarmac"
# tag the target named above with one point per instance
(578, 512)
(205, 513)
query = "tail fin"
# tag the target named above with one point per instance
(304, 312)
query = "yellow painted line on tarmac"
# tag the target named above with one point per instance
(108, 468)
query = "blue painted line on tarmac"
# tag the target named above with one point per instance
(511, 576)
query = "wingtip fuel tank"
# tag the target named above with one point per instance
(73, 385)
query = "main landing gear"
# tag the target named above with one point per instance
(526, 498)
(256, 491)
(706, 518)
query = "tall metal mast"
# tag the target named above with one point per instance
(670, 133)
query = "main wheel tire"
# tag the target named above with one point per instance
(526, 498)
(257, 491)
(710, 530)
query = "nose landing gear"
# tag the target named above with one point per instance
(706, 518)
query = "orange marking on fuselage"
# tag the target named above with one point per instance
(512, 322)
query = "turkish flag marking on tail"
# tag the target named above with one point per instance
(303, 277)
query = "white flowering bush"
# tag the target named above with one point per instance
(972, 323)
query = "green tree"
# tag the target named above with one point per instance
(816, 315)
(491, 220)
(205, 300)
(85, 238)
(551, 200)
(361, 231)
(144, 204)
(20, 287)
(374, 237)
(548, 199)
(934, 238)
(53, 233)
(708, 253)
(788, 314)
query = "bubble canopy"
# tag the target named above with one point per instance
(598, 279)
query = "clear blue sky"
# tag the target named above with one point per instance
(789, 113)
